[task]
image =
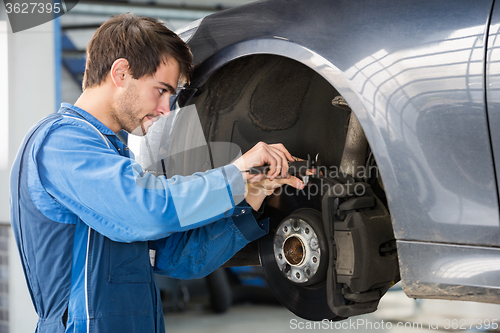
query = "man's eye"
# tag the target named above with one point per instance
(161, 91)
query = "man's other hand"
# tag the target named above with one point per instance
(258, 191)
(261, 185)
(274, 155)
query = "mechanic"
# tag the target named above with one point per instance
(85, 215)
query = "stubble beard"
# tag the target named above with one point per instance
(123, 112)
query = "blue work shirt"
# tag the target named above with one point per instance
(86, 218)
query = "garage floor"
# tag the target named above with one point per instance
(396, 313)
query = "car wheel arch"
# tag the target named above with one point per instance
(281, 47)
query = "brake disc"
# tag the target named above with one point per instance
(295, 260)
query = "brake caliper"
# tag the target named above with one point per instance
(363, 260)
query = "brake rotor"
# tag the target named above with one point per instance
(295, 259)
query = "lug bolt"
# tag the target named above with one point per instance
(280, 256)
(297, 275)
(307, 230)
(285, 229)
(315, 260)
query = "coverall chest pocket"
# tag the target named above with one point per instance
(129, 263)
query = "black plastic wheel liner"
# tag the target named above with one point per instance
(276, 100)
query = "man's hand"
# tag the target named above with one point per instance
(257, 192)
(259, 186)
(275, 155)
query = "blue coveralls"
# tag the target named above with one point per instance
(85, 217)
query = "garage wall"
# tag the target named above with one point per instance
(4, 153)
(27, 94)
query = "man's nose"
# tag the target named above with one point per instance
(163, 107)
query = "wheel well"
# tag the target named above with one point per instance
(277, 99)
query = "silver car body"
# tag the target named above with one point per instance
(423, 78)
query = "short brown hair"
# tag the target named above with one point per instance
(145, 42)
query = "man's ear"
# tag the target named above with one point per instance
(119, 72)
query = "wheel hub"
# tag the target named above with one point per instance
(296, 250)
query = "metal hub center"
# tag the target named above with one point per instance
(296, 250)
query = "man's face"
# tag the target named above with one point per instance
(144, 100)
